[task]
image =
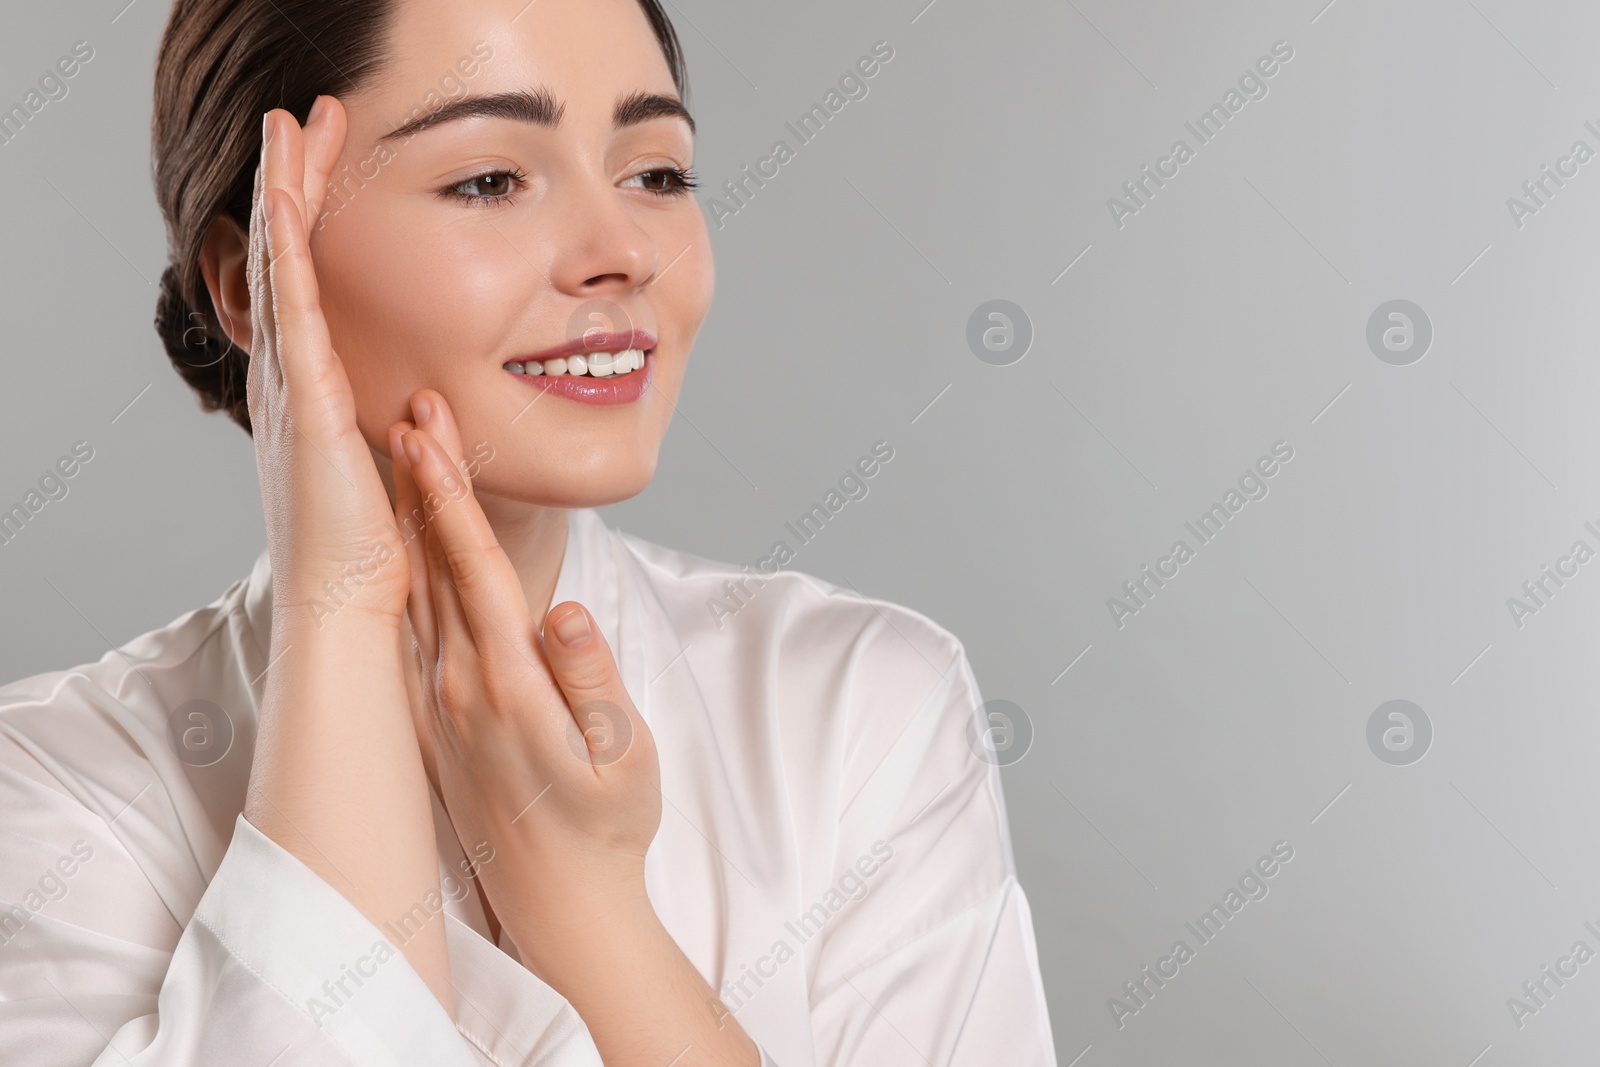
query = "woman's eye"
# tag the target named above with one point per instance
(493, 187)
(500, 187)
(666, 181)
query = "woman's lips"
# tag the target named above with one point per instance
(596, 341)
(586, 389)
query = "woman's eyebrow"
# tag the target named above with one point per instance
(539, 108)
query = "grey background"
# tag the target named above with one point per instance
(1228, 314)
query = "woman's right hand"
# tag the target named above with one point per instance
(328, 515)
(338, 777)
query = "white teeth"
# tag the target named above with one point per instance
(598, 364)
(629, 359)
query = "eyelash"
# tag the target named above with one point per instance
(680, 183)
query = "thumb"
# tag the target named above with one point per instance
(607, 722)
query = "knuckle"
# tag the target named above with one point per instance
(639, 754)
(455, 691)
(292, 276)
(466, 563)
(590, 674)
(601, 732)
(433, 547)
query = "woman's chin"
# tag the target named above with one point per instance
(610, 482)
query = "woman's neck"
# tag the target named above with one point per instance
(533, 537)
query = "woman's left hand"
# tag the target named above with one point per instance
(536, 746)
(538, 751)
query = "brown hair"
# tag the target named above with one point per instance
(222, 65)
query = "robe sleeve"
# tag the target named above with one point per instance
(273, 967)
(927, 951)
(121, 945)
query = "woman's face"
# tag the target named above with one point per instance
(486, 238)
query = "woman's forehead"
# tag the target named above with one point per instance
(585, 54)
(544, 39)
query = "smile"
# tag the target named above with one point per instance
(595, 364)
(603, 378)
(598, 368)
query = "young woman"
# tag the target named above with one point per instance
(457, 775)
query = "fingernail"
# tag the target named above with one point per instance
(572, 629)
(267, 209)
(266, 129)
(413, 450)
(317, 109)
(421, 409)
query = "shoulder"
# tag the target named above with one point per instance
(864, 715)
(789, 611)
(842, 678)
(107, 757)
(102, 720)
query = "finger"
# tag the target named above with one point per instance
(481, 573)
(412, 520)
(586, 671)
(301, 342)
(454, 640)
(257, 255)
(449, 630)
(325, 131)
(257, 380)
(433, 414)
(313, 382)
(286, 161)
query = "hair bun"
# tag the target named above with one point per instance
(206, 358)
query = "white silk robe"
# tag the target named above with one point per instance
(832, 856)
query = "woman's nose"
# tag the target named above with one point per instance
(599, 243)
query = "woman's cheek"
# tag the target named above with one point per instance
(444, 298)
(417, 309)
(691, 298)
